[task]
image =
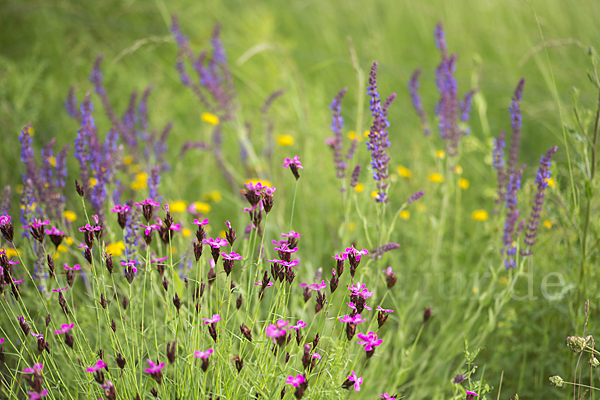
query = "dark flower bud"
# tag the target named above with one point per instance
(88, 238)
(306, 357)
(211, 276)
(15, 290)
(79, 188)
(70, 278)
(287, 357)
(205, 364)
(129, 274)
(212, 331)
(109, 262)
(147, 211)
(307, 293)
(61, 300)
(320, 302)
(302, 387)
(165, 284)
(99, 377)
(282, 393)
(172, 351)
(103, 301)
(197, 250)
(350, 330)
(48, 319)
(177, 302)
(252, 197)
(246, 332)
(238, 302)
(267, 201)
(215, 252)
(154, 392)
(69, 339)
(230, 235)
(426, 315)
(8, 231)
(458, 379)
(239, 363)
(198, 307)
(2, 356)
(334, 282)
(339, 267)
(294, 169)
(121, 360)
(316, 341)
(87, 254)
(200, 235)
(298, 337)
(147, 236)
(290, 275)
(382, 318)
(231, 286)
(369, 354)
(160, 267)
(124, 302)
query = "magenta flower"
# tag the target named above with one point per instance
(231, 256)
(387, 396)
(215, 318)
(5, 219)
(277, 331)
(54, 231)
(60, 289)
(356, 253)
(1, 340)
(295, 381)
(37, 223)
(148, 228)
(75, 267)
(293, 161)
(353, 306)
(147, 202)
(300, 324)
(383, 310)
(154, 368)
(357, 319)
(257, 187)
(200, 223)
(291, 234)
(360, 290)
(341, 257)
(357, 381)
(215, 243)
(120, 208)
(14, 281)
(246, 209)
(314, 286)
(159, 260)
(284, 248)
(203, 354)
(38, 367)
(89, 228)
(369, 340)
(99, 365)
(37, 335)
(259, 283)
(36, 395)
(469, 393)
(64, 328)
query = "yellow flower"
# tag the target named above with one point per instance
(440, 154)
(421, 207)
(93, 182)
(215, 196)
(141, 181)
(551, 182)
(62, 248)
(352, 135)
(475, 289)
(69, 240)
(374, 194)
(135, 169)
(404, 172)
(52, 161)
(31, 207)
(479, 215)
(285, 140)
(70, 215)
(115, 249)
(186, 232)
(463, 183)
(366, 134)
(437, 178)
(19, 188)
(10, 252)
(127, 160)
(202, 207)
(210, 118)
(263, 182)
(359, 187)
(222, 234)
(548, 224)
(405, 214)
(56, 255)
(29, 130)
(458, 170)
(178, 206)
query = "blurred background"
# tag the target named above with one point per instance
(303, 47)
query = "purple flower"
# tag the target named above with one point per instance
(292, 161)
(347, 319)
(387, 396)
(38, 367)
(203, 354)
(284, 248)
(413, 87)
(64, 328)
(99, 365)
(215, 243)
(148, 228)
(353, 306)
(383, 310)
(215, 318)
(259, 283)
(351, 251)
(75, 267)
(291, 234)
(369, 340)
(337, 123)
(231, 256)
(360, 290)
(295, 381)
(415, 197)
(300, 324)
(37, 223)
(1, 340)
(277, 331)
(200, 223)
(357, 381)
(154, 368)
(314, 286)
(37, 395)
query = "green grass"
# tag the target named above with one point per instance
(303, 48)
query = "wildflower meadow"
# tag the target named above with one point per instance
(233, 200)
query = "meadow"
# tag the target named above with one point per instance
(176, 270)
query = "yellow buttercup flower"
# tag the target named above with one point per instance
(222, 234)
(359, 187)
(440, 154)
(366, 134)
(69, 240)
(70, 215)
(352, 135)
(437, 178)
(374, 194)
(62, 248)
(405, 214)
(463, 183)
(93, 182)
(479, 215)
(141, 181)
(215, 196)
(404, 172)
(210, 118)
(285, 140)
(178, 206)
(551, 182)
(116, 248)
(31, 207)
(52, 161)
(202, 207)
(186, 232)
(127, 160)
(19, 188)
(458, 170)
(10, 252)
(548, 224)
(135, 169)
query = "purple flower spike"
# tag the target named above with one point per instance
(336, 142)
(415, 197)
(413, 87)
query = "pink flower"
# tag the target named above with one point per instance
(89, 228)
(215, 318)
(159, 260)
(357, 253)
(340, 257)
(360, 290)
(369, 340)
(64, 328)
(314, 286)
(316, 355)
(120, 208)
(36, 395)
(4, 219)
(472, 393)
(147, 202)
(295, 381)
(154, 368)
(295, 160)
(200, 223)
(357, 381)
(60, 289)
(37, 335)
(75, 267)
(347, 319)
(285, 249)
(148, 228)
(1, 340)
(387, 396)
(259, 283)
(231, 256)
(37, 223)
(353, 306)
(99, 365)
(215, 243)
(300, 324)
(292, 234)
(203, 354)
(36, 368)
(383, 310)
(276, 331)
